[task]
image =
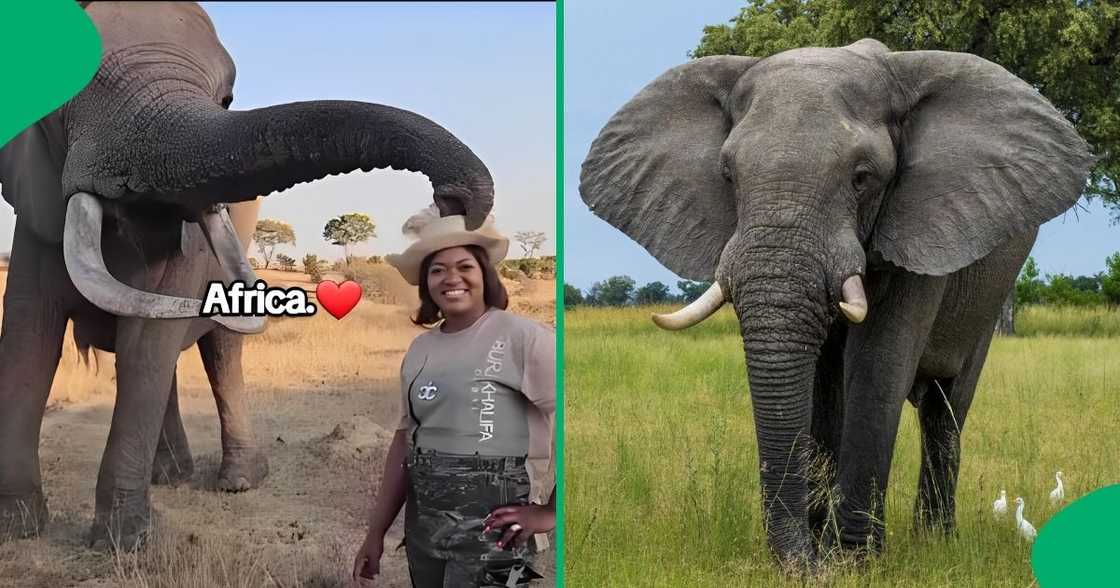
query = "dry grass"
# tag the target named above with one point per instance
(304, 377)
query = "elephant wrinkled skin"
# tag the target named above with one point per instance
(923, 175)
(151, 148)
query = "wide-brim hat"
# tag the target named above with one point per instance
(433, 233)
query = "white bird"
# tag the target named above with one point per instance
(999, 507)
(1058, 494)
(1026, 529)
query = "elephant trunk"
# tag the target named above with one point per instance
(194, 153)
(784, 318)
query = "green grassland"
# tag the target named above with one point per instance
(662, 470)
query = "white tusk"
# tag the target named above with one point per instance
(854, 305)
(81, 247)
(701, 308)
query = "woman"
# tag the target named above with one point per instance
(478, 393)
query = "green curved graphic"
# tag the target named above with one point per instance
(51, 50)
(1080, 546)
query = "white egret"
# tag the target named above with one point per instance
(1026, 529)
(999, 507)
(1057, 495)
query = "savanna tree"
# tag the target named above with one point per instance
(349, 229)
(269, 234)
(530, 241)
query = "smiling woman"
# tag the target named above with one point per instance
(470, 458)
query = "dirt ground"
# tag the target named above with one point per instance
(323, 395)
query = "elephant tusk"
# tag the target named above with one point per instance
(85, 262)
(701, 308)
(854, 305)
(227, 247)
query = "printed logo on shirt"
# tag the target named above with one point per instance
(485, 391)
(427, 391)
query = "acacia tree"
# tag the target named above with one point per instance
(268, 234)
(1067, 50)
(349, 229)
(530, 241)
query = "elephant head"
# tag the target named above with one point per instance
(151, 138)
(783, 178)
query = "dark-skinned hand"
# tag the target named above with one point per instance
(520, 522)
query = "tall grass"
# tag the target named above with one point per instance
(662, 475)
(1072, 321)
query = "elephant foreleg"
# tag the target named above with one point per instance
(173, 464)
(146, 354)
(828, 419)
(35, 314)
(244, 465)
(941, 413)
(882, 357)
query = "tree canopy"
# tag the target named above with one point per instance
(614, 291)
(530, 241)
(652, 293)
(268, 234)
(1067, 49)
(349, 229)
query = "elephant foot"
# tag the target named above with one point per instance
(171, 469)
(126, 527)
(22, 515)
(242, 470)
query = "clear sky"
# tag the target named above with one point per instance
(613, 49)
(484, 71)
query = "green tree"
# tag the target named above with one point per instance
(1028, 288)
(572, 296)
(1061, 291)
(286, 263)
(268, 234)
(313, 268)
(690, 290)
(1066, 49)
(1110, 280)
(349, 229)
(614, 291)
(652, 293)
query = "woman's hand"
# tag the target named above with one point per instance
(520, 522)
(368, 562)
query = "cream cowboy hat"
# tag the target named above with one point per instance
(433, 233)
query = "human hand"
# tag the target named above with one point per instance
(367, 563)
(521, 522)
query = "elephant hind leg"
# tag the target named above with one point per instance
(173, 464)
(942, 408)
(244, 465)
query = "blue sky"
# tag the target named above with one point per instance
(613, 49)
(485, 71)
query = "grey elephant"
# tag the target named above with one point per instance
(119, 196)
(865, 212)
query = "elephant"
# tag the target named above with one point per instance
(121, 196)
(866, 213)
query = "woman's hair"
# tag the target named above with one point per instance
(493, 292)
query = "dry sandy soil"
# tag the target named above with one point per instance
(323, 394)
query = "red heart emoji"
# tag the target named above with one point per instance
(338, 299)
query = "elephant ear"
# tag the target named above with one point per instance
(982, 157)
(654, 170)
(30, 178)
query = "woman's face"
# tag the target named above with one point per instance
(455, 283)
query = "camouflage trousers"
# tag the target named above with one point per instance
(449, 496)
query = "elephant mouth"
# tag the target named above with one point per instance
(85, 262)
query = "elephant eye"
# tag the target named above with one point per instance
(862, 180)
(726, 170)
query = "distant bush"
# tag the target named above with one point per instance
(312, 266)
(375, 259)
(253, 263)
(286, 263)
(536, 268)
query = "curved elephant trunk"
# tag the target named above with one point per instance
(202, 154)
(81, 245)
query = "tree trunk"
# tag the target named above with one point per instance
(1006, 324)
